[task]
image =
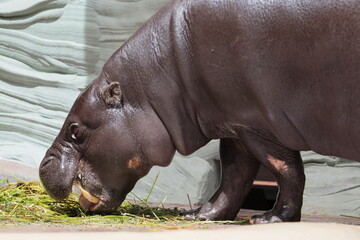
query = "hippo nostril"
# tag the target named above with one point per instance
(46, 161)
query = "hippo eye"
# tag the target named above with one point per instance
(75, 132)
(73, 129)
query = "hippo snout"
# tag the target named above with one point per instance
(57, 174)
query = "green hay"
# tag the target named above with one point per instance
(28, 202)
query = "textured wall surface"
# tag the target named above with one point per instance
(51, 49)
(42, 67)
(332, 185)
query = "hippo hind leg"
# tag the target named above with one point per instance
(287, 167)
(239, 169)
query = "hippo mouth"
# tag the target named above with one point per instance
(87, 200)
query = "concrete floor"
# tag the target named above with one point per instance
(279, 231)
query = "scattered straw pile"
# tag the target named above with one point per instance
(28, 202)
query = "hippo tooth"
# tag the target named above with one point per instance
(87, 195)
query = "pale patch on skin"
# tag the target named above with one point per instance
(280, 165)
(134, 163)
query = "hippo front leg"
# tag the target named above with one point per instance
(239, 169)
(287, 167)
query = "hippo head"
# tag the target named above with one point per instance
(105, 145)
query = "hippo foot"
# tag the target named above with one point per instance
(197, 217)
(209, 212)
(270, 217)
(267, 217)
(190, 215)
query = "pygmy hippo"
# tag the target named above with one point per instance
(267, 78)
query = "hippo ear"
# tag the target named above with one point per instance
(112, 95)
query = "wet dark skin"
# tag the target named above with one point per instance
(269, 79)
